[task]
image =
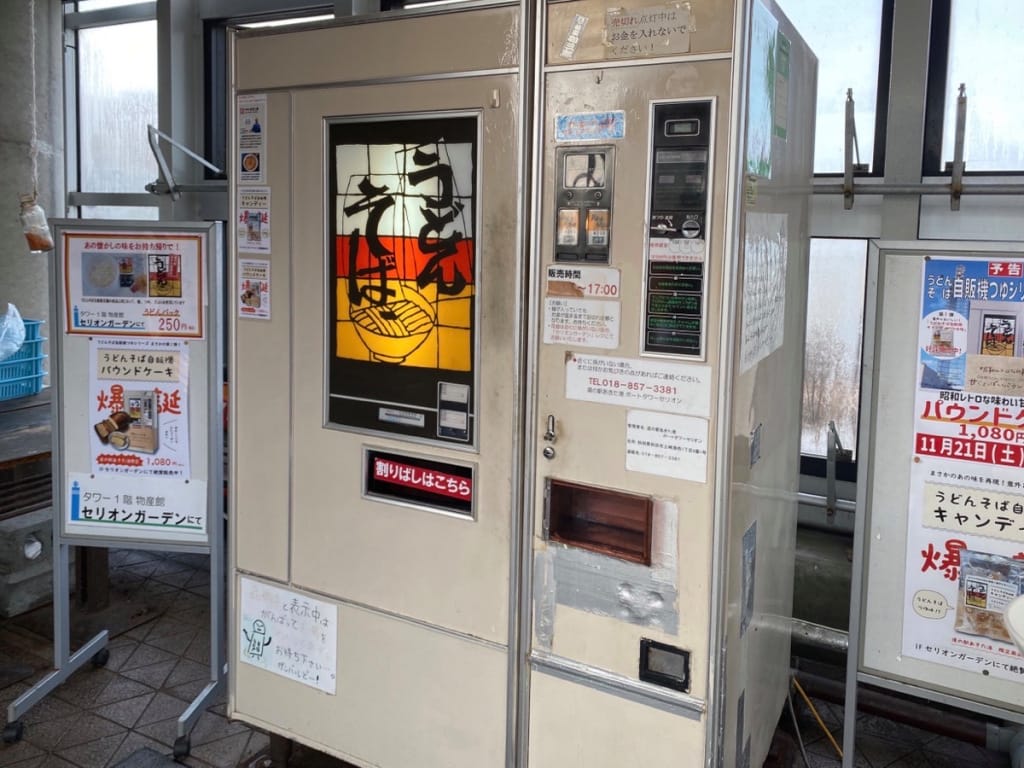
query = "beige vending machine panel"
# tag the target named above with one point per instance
(514, 455)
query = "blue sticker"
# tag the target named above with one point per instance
(590, 126)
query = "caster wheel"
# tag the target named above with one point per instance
(182, 747)
(100, 658)
(13, 732)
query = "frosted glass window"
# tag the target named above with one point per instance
(117, 98)
(985, 55)
(845, 38)
(120, 212)
(835, 322)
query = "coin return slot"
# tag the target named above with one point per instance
(602, 520)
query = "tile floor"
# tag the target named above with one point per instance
(103, 715)
(883, 743)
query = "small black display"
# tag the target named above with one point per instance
(682, 127)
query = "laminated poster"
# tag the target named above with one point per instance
(139, 408)
(965, 527)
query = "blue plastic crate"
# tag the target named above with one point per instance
(22, 373)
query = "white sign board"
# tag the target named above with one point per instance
(289, 634)
(149, 508)
(667, 444)
(581, 307)
(637, 383)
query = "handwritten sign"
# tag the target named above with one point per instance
(290, 634)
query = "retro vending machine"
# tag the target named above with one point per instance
(516, 381)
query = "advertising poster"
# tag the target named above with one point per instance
(253, 231)
(134, 284)
(965, 527)
(254, 288)
(402, 320)
(138, 419)
(252, 139)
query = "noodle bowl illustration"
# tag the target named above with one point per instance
(395, 330)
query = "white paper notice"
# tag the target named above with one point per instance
(290, 634)
(254, 288)
(764, 287)
(650, 384)
(253, 220)
(581, 307)
(667, 444)
(252, 139)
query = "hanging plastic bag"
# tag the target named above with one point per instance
(12, 332)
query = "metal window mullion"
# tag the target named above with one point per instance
(107, 17)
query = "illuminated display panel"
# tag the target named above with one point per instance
(403, 271)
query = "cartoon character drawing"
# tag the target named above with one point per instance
(258, 640)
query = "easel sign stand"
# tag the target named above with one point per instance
(137, 432)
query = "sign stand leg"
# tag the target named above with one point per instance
(65, 663)
(218, 665)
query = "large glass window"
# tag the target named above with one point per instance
(835, 321)
(117, 99)
(846, 37)
(985, 55)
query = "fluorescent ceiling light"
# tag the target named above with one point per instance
(286, 22)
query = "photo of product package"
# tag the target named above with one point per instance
(988, 583)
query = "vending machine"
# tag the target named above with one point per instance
(515, 381)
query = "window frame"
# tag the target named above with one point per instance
(75, 21)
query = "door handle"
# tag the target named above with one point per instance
(550, 436)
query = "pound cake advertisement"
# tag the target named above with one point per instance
(965, 530)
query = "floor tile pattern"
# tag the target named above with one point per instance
(102, 715)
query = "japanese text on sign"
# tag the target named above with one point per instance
(156, 508)
(658, 30)
(289, 634)
(649, 384)
(395, 472)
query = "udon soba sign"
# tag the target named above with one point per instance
(402, 276)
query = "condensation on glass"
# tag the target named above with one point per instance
(117, 80)
(835, 322)
(984, 55)
(845, 38)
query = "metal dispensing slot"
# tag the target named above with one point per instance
(676, 255)
(583, 223)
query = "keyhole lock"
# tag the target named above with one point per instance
(550, 436)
